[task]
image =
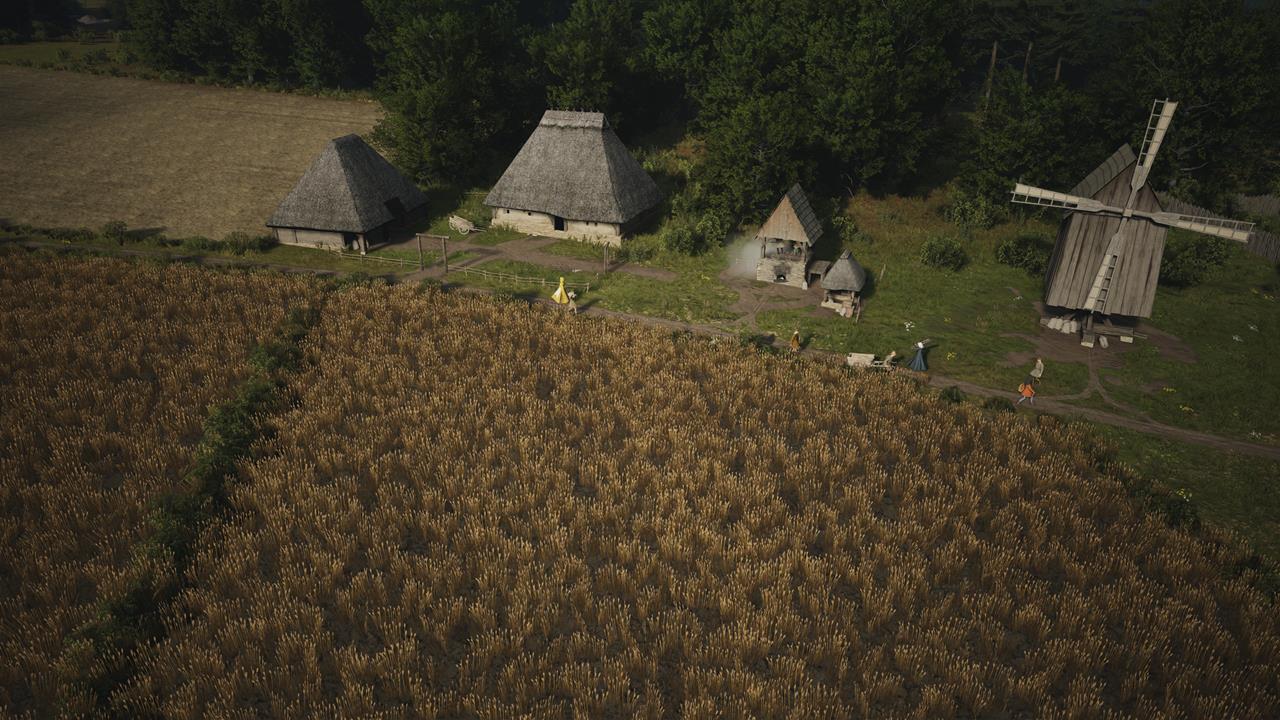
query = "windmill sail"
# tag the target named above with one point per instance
(1032, 195)
(1157, 126)
(1237, 230)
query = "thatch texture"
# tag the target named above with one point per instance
(347, 189)
(793, 220)
(1083, 240)
(574, 166)
(845, 275)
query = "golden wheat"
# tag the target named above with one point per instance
(476, 509)
(107, 371)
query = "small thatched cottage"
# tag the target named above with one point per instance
(841, 284)
(350, 197)
(787, 239)
(573, 179)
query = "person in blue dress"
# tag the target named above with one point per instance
(917, 363)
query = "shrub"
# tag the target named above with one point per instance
(1188, 261)
(681, 236)
(952, 394)
(63, 55)
(944, 252)
(848, 230)
(240, 243)
(115, 231)
(200, 243)
(998, 404)
(642, 247)
(1029, 252)
(973, 212)
(70, 234)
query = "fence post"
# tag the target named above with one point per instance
(421, 265)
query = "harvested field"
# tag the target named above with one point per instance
(184, 159)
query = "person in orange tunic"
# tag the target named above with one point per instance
(1028, 391)
(795, 341)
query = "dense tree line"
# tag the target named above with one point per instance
(837, 94)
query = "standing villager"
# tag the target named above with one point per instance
(917, 363)
(573, 306)
(795, 341)
(1038, 370)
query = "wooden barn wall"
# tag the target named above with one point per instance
(1083, 239)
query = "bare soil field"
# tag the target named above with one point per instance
(80, 150)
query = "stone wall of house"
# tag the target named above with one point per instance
(308, 238)
(536, 223)
(767, 270)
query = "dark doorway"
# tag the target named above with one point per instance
(558, 222)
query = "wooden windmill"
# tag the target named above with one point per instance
(1106, 261)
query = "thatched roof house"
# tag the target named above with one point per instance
(349, 197)
(845, 275)
(1083, 239)
(787, 239)
(573, 178)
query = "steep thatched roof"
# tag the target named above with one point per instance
(792, 220)
(346, 189)
(845, 274)
(574, 166)
(1105, 173)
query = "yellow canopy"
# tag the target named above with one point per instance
(560, 296)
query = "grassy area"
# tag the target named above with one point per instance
(689, 297)
(970, 314)
(445, 200)
(63, 52)
(1232, 323)
(1229, 490)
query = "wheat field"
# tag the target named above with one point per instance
(477, 509)
(107, 372)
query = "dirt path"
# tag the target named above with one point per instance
(1055, 406)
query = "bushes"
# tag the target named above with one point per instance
(952, 394)
(115, 231)
(943, 252)
(1029, 252)
(848, 230)
(973, 212)
(1189, 260)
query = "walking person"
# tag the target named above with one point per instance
(1037, 371)
(1028, 391)
(795, 341)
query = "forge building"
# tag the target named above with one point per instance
(786, 241)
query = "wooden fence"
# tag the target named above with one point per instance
(521, 279)
(402, 262)
(1261, 243)
(1260, 204)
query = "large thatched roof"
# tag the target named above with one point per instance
(845, 274)
(574, 166)
(792, 220)
(346, 189)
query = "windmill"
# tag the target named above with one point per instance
(1106, 261)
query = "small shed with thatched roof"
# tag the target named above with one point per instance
(787, 239)
(573, 179)
(841, 284)
(350, 197)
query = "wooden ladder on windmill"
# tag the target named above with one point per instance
(1157, 126)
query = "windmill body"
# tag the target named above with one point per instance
(1083, 240)
(1106, 262)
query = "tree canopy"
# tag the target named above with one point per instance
(835, 94)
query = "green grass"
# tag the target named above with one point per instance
(576, 249)
(37, 53)
(1230, 490)
(966, 313)
(1231, 389)
(446, 200)
(686, 298)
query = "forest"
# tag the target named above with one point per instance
(888, 96)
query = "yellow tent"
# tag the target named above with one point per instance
(560, 296)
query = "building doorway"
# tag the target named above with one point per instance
(558, 222)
